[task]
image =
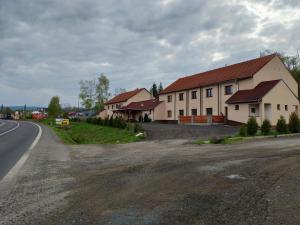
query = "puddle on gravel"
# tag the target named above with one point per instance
(217, 167)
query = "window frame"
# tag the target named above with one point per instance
(169, 98)
(192, 110)
(226, 90)
(181, 96)
(278, 107)
(169, 113)
(237, 107)
(209, 92)
(181, 112)
(194, 95)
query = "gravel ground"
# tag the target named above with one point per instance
(159, 182)
(156, 131)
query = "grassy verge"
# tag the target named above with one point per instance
(85, 133)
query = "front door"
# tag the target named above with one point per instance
(209, 113)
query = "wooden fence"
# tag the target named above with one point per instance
(200, 119)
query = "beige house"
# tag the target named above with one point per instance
(134, 104)
(262, 88)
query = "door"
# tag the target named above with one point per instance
(209, 113)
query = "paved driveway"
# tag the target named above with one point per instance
(157, 131)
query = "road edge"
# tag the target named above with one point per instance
(14, 170)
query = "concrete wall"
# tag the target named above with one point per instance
(159, 112)
(275, 70)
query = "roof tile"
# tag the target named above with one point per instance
(252, 95)
(236, 71)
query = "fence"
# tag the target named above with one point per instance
(200, 119)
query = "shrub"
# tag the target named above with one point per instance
(281, 126)
(294, 124)
(89, 120)
(266, 127)
(243, 131)
(140, 118)
(146, 118)
(106, 121)
(78, 138)
(216, 140)
(111, 121)
(252, 126)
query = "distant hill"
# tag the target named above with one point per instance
(29, 108)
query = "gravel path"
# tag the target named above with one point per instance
(156, 131)
(169, 182)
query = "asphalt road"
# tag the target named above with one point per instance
(15, 139)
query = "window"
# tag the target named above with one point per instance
(209, 111)
(286, 108)
(194, 94)
(228, 90)
(180, 96)
(209, 92)
(236, 107)
(108, 107)
(194, 112)
(112, 106)
(253, 110)
(169, 113)
(169, 98)
(278, 106)
(181, 112)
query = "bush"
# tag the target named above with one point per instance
(243, 131)
(89, 120)
(294, 124)
(146, 118)
(78, 138)
(216, 140)
(252, 126)
(281, 126)
(266, 127)
(106, 121)
(140, 118)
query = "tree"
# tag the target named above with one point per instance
(292, 63)
(281, 126)
(87, 93)
(160, 87)
(153, 90)
(252, 126)
(266, 127)
(102, 92)
(119, 91)
(54, 108)
(294, 124)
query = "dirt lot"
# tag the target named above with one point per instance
(156, 131)
(172, 182)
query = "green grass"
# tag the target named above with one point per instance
(84, 133)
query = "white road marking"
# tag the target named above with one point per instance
(23, 159)
(8, 131)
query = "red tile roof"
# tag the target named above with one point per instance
(124, 96)
(236, 71)
(142, 105)
(252, 95)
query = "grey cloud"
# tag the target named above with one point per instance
(48, 46)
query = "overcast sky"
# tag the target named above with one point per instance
(48, 46)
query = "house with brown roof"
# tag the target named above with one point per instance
(134, 104)
(262, 88)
